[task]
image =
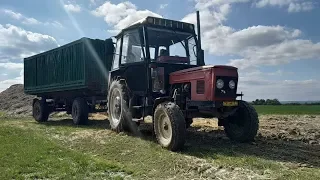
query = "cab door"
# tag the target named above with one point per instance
(129, 61)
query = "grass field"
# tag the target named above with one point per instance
(59, 150)
(289, 109)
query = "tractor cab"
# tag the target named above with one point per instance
(148, 51)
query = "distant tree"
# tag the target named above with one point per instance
(266, 102)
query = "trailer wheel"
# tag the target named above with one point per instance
(40, 110)
(243, 125)
(80, 111)
(169, 126)
(118, 108)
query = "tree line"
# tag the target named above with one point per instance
(277, 102)
(266, 102)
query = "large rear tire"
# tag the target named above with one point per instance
(243, 125)
(80, 111)
(118, 108)
(169, 126)
(40, 110)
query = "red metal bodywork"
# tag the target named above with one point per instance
(206, 73)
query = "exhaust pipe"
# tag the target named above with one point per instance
(198, 28)
(200, 51)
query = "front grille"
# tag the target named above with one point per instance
(200, 87)
(226, 92)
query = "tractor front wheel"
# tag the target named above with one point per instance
(169, 126)
(243, 125)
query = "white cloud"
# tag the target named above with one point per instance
(163, 6)
(121, 15)
(72, 7)
(204, 4)
(281, 53)
(257, 87)
(19, 16)
(17, 43)
(291, 5)
(11, 66)
(28, 20)
(7, 83)
(253, 46)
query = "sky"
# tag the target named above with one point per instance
(275, 44)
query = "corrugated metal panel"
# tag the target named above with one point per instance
(68, 67)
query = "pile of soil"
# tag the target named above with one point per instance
(13, 101)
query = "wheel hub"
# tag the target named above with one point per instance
(164, 129)
(115, 108)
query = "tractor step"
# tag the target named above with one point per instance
(137, 107)
(137, 120)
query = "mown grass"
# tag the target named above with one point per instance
(25, 154)
(60, 149)
(289, 109)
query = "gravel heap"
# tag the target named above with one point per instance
(13, 101)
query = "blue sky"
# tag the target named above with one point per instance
(274, 43)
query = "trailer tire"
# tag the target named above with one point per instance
(120, 117)
(40, 110)
(169, 126)
(80, 111)
(243, 125)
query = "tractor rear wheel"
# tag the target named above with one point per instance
(80, 111)
(40, 110)
(118, 108)
(243, 125)
(169, 126)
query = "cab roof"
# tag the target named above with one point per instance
(162, 23)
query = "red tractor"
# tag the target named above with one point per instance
(158, 70)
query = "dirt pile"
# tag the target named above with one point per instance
(13, 101)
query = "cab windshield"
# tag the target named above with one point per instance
(168, 46)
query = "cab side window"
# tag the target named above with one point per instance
(131, 48)
(115, 64)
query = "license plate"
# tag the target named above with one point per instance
(230, 103)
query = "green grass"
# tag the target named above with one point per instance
(288, 109)
(2, 114)
(25, 154)
(58, 149)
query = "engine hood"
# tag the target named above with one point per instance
(204, 68)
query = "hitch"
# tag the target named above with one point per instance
(240, 95)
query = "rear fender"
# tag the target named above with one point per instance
(160, 100)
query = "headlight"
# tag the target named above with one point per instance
(220, 84)
(232, 84)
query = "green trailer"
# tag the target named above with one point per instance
(61, 76)
(81, 65)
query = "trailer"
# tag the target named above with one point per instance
(157, 70)
(77, 70)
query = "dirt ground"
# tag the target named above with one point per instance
(289, 138)
(293, 139)
(304, 128)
